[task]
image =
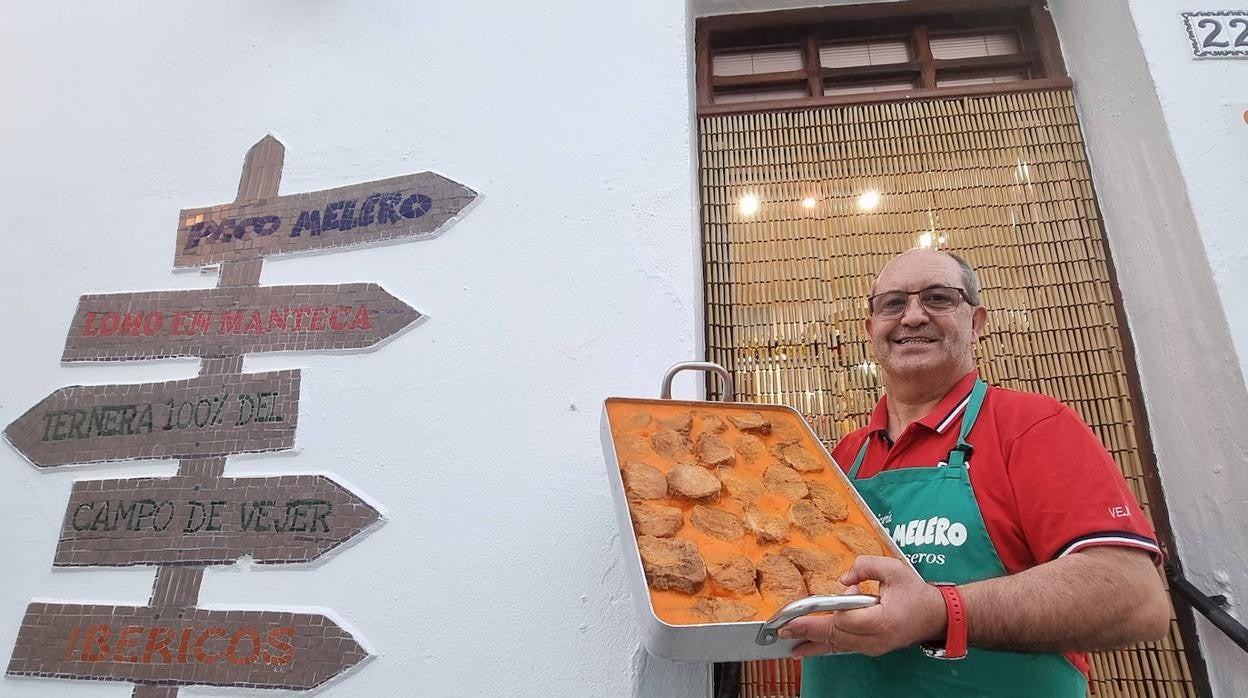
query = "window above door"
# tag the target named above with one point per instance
(875, 52)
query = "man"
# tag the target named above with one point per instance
(1007, 495)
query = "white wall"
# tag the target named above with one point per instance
(1165, 135)
(574, 278)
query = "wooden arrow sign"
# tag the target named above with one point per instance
(412, 206)
(199, 417)
(208, 521)
(233, 320)
(256, 649)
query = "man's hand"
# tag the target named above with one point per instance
(1099, 598)
(910, 611)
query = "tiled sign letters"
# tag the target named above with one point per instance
(188, 520)
(199, 517)
(258, 649)
(410, 206)
(233, 320)
(208, 416)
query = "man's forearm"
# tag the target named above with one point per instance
(1094, 599)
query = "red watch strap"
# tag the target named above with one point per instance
(955, 612)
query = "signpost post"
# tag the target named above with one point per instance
(199, 517)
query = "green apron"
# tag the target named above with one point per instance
(946, 539)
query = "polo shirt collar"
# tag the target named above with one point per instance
(940, 419)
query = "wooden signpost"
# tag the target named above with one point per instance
(199, 517)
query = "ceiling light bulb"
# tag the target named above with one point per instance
(748, 205)
(809, 202)
(925, 240)
(869, 200)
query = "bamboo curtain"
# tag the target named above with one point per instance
(791, 244)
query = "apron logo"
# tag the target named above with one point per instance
(934, 531)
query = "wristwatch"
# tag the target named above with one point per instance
(954, 646)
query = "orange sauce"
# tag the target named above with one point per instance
(627, 422)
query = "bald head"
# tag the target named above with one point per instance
(924, 352)
(968, 280)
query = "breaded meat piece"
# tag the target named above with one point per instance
(735, 573)
(820, 569)
(812, 559)
(795, 457)
(713, 451)
(824, 583)
(671, 444)
(630, 447)
(808, 519)
(785, 432)
(672, 563)
(680, 423)
(832, 502)
(717, 523)
(752, 422)
(743, 488)
(709, 423)
(717, 610)
(785, 482)
(643, 481)
(766, 526)
(749, 446)
(636, 420)
(692, 482)
(779, 581)
(658, 520)
(858, 539)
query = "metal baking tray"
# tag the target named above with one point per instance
(719, 642)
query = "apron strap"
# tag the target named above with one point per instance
(959, 454)
(964, 449)
(862, 455)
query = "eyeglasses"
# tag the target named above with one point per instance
(936, 300)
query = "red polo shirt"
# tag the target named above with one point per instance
(1045, 485)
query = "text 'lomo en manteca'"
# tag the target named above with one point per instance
(199, 517)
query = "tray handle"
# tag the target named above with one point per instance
(725, 395)
(769, 633)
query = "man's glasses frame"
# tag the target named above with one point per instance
(933, 303)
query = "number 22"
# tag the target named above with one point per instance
(1211, 39)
